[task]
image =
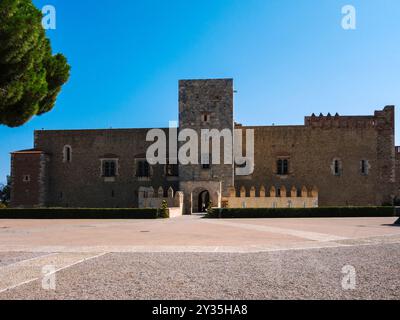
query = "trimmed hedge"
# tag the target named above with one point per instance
(322, 212)
(78, 213)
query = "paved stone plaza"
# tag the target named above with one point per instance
(194, 258)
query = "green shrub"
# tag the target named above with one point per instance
(210, 210)
(322, 212)
(2, 205)
(164, 211)
(78, 213)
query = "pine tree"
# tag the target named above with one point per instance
(31, 77)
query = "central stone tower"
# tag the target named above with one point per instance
(205, 104)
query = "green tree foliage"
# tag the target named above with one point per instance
(5, 193)
(210, 209)
(31, 77)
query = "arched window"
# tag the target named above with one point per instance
(67, 154)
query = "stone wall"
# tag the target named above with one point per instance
(397, 175)
(80, 183)
(312, 148)
(29, 178)
(149, 198)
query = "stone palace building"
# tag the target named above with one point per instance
(331, 160)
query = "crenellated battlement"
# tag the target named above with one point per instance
(380, 120)
(275, 197)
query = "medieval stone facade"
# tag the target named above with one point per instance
(348, 160)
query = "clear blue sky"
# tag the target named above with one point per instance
(289, 58)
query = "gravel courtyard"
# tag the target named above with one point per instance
(241, 259)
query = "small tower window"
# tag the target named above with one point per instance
(172, 170)
(67, 154)
(205, 117)
(205, 161)
(26, 178)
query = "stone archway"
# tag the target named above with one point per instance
(193, 190)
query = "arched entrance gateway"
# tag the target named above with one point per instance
(201, 197)
(203, 201)
(198, 194)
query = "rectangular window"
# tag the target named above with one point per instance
(337, 166)
(285, 167)
(364, 167)
(282, 167)
(109, 168)
(142, 169)
(205, 117)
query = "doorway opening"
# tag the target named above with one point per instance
(204, 200)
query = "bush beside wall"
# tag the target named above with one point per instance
(322, 212)
(72, 213)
